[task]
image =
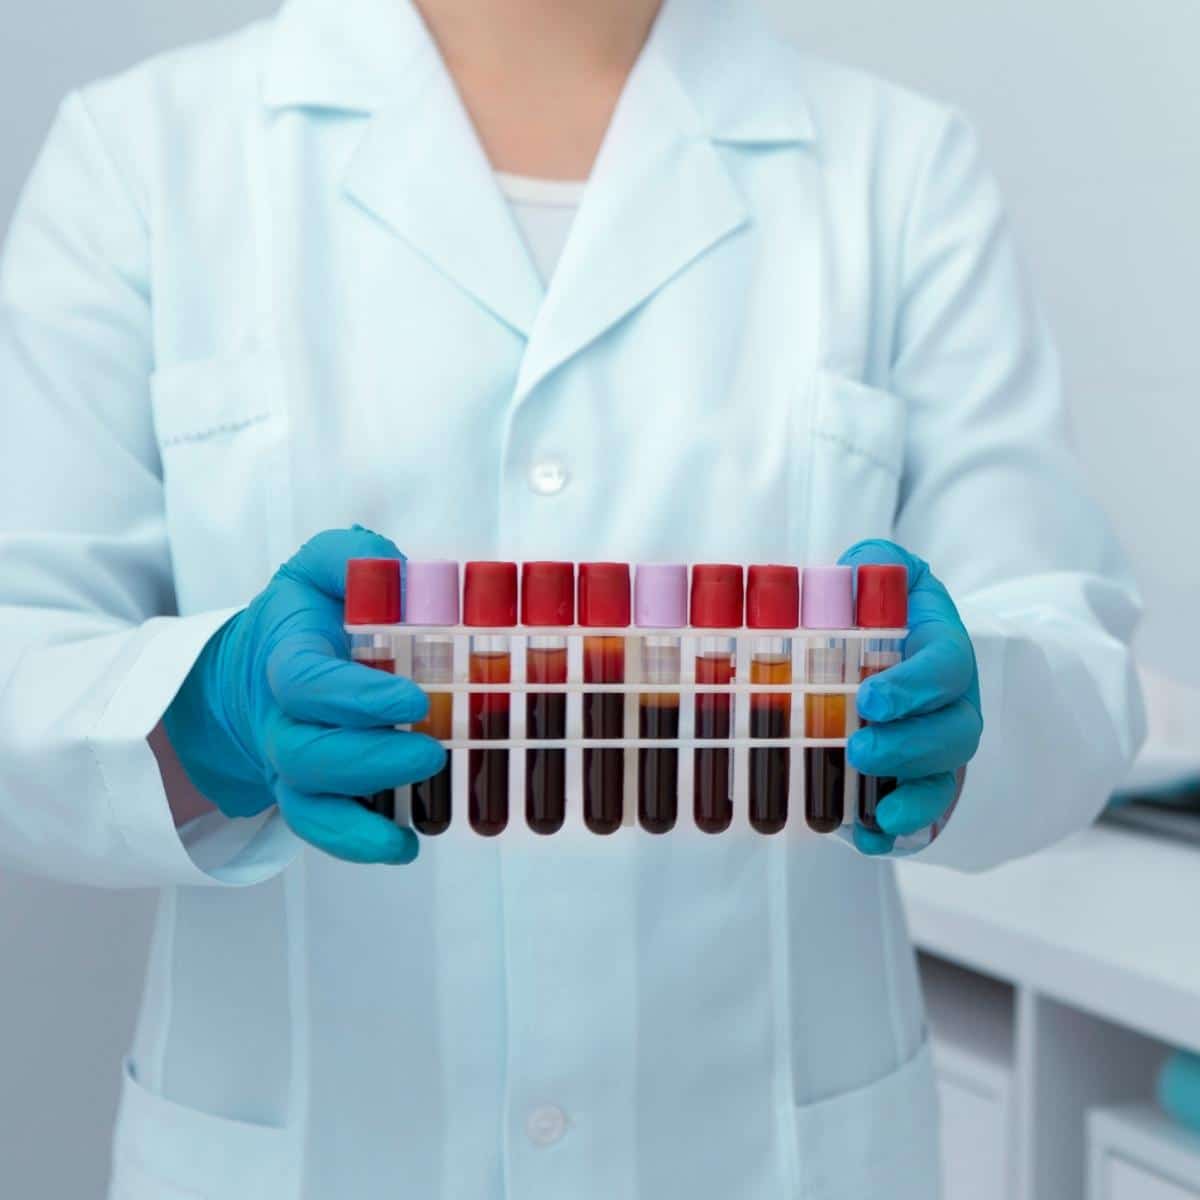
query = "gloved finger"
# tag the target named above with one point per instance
(926, 745)
(321, 562)
(312, 683)
(881, 551)
(343, 828)
(917, 803)
(867, 841)
(348, 762)
(932, 617)
(938, 669)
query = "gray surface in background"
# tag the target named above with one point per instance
(1089, 113)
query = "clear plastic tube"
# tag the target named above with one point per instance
(545, 718)
(490, 662)
(713, 772)
(658, 717)
(375, 650)
(878, 654)
(433, 662)
(825, 717)
(770, 717)
(603, 717)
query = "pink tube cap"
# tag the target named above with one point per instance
(660, 596)
(432, 593)
(827, 598)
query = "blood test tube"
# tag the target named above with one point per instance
(547, 598)
(432, 599)
(828, 603)
(882, 603)
(660, 597)
(373, 598)
(604, 603)
(489, 601)
(772, 602)
(717, 597)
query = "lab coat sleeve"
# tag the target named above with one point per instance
(993, 497)
(89, 658)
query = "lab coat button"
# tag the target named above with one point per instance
(548, 478)
(546, 1125)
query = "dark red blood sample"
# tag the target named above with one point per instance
(603, 717)
(872, 788)
(545, 718)
(487, 770)
(712, 790)
(824, 783)
(658, 770)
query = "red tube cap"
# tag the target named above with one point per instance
(604, 595)
(490, 594)
(773, 597)
(373, 591)
(882, 596)
(717, 596)
(548, 593)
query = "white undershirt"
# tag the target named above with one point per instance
(544, 210)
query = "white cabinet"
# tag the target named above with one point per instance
(975, 1123)
(971, 1024)
(1135, 1153)
(1056, 986)
(1124, 1180)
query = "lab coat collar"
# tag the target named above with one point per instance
(352, 55)
(660, 195)
(356, 55)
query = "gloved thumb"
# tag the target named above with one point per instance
(321, 562)
(882, 552)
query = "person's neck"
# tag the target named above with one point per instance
(540, 78)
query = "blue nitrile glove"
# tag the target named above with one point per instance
(924, 712)
(1179, 1089)
(272, 712)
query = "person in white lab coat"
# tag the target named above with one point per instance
(535, 278)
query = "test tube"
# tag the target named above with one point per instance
(490, 602)
(717, 597)
(547, 598)
(604, 603)
(772, 602)
(431, 598)
(828, 603)
(882, 604)
(373, 598)
(660, 602)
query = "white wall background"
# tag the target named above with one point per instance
(1091, 112)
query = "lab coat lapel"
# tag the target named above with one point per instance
(661, 195)
(419, 168)
(659, 198)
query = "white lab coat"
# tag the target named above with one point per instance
(266, 286)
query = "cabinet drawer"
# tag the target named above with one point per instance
(1136, 1153)
(1124, 1180)
(974, 1141)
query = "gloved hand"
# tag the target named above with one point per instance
(273, 712)
(924, 712)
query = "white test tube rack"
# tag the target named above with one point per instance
(400, 637)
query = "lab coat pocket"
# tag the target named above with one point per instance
(879, 1140)
(222, 433)
(855, 464)
(164, 1151)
